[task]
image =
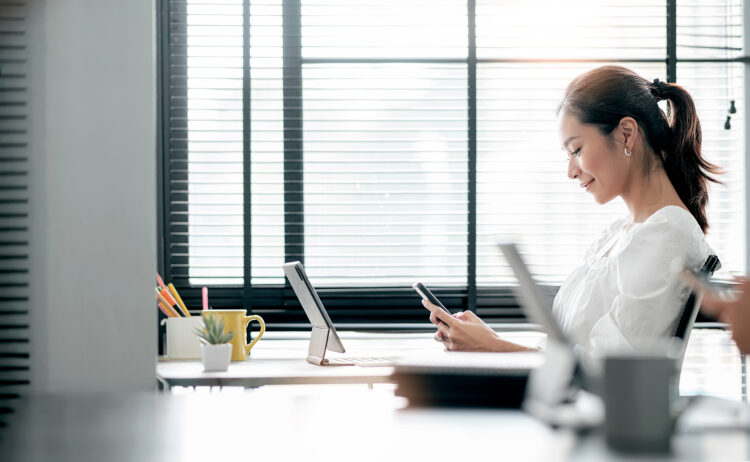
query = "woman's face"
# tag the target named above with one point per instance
(596, 162)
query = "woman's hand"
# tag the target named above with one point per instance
(735, 312)
(466, 332)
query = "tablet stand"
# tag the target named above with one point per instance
(316, 352)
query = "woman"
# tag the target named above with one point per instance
(620, 143)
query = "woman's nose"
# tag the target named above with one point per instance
(573, 169)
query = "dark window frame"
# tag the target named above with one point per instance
(386, 307)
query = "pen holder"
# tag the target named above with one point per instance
(182, 343)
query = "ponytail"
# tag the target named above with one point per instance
(683, 162)
(605, 95)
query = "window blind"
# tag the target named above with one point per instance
(711, 84)
(385, 173)
(577, 29)
(710, 29)
(711, 34)
(387, 142)
(214, 142)
(14, 207)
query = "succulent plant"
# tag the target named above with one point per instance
(213, 331)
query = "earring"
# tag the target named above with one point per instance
(628, 152)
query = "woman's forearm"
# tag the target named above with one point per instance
(504, 346)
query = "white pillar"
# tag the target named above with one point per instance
(93, 208)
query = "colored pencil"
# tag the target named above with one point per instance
(177, 297)
(167, 296)
(160, 281)
(166, 303)
(164, 309)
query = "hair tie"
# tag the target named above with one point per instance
(660, 88)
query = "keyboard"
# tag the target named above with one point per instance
(366, 362)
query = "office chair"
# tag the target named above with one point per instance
(688, 315)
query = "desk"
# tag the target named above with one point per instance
(304, 423)
(712, 364)
(258, 372)
(279, 359)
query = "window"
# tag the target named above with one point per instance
(384, 142)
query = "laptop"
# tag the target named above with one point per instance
(549, 384)
(324, 336)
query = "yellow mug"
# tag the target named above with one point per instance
(236, 321)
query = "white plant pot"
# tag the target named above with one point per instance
(216, 357)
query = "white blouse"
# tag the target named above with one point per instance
(625, 290)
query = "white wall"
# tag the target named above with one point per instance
(93, 212)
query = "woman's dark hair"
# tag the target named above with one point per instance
(605, 95)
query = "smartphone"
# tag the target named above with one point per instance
(698, 283)
(424, 292)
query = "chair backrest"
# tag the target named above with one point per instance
(688, 315)
(690, 311)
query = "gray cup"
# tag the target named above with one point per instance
(639, 391)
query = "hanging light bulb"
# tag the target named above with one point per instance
(728, 124)
(732, 108)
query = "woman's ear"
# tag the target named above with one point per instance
(629, 129)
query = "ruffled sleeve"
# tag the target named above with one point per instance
(648, 296)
